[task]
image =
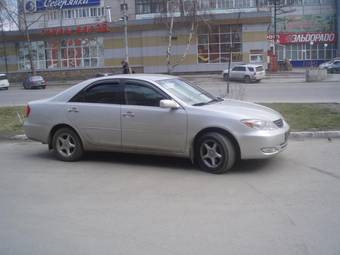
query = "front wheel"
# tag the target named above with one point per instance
(67, 145)
(225, 76)
(247, 79)
(215, 153)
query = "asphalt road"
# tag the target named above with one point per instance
(269, 90)
(127, 204)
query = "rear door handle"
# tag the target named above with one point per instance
(73, 109)
(128, 114)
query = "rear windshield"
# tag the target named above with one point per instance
(3, 77)
(36, 78)
(259, 68)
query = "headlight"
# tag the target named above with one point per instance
(260, 124)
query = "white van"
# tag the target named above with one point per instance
(4, 84)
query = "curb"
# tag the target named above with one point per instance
(19, 137)
(315, 134)
(292, 135)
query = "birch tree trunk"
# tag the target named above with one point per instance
(29, 45)
(168, 52)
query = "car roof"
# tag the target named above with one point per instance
(146, 77)
(2, 74)
(68, 93)
(250, 65)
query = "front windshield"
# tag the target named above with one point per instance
(186, 92)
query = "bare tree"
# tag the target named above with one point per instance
(277, 8)
(3, 42)
(17, 15)
(186, 13)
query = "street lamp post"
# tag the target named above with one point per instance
(325, 51)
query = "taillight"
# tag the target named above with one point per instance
(27, 110)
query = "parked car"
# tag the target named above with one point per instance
(155, 114)
(103, 74)
(327, 64)
(334, 68)
(4, 84)
(246, 73)
(32, 82)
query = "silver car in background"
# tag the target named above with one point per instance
(155, 114)
(247, 73)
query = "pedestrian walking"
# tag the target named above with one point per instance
(125, 66)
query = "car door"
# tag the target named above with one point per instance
(242, 72)
(145, 125)
(235, 73)
(95, 112)
(336, 66)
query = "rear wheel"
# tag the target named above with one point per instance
(67, 145)
(225, 76)
(215, 153)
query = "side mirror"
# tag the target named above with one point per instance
(168, 104)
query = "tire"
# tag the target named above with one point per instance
(215, 153)
(43, 87)
(67, 145)
(247, 79)
(225, 76)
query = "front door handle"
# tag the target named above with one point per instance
(73, 109)
(128, 114)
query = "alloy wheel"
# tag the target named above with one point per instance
(211, 153)
(66, 144)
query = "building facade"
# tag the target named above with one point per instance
(307, 32)
(84, 37)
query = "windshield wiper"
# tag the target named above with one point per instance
(200, 104)
(217, 99)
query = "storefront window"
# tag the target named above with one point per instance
(68, 53)
(37, 52)
(316, 51)
(216, 44)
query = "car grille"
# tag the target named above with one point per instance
(279, 123)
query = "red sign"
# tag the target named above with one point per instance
(98, 28)
(296, 38)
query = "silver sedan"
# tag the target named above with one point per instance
(155, 114)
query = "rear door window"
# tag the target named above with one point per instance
(108, 92)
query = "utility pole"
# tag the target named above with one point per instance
(275, 26)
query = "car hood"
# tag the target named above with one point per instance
(243, 110)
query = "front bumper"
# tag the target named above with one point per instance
(264, 144)
(4, 85)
